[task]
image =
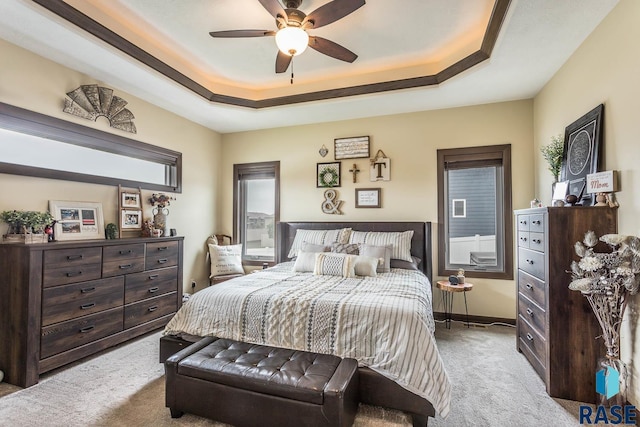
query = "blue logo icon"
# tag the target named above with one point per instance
(608, 383)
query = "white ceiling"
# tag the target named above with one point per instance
(422, 36)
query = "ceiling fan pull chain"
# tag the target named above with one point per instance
(291, 69)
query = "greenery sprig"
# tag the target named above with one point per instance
(553, 155)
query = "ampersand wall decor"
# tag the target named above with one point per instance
(331, 204)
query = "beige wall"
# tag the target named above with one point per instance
(605, 69)
(32, 82)
(410, 141)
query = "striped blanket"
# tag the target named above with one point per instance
(384, 322)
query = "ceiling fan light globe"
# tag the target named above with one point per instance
(292, 40)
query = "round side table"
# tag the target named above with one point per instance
(448, 291)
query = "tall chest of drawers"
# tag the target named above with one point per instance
(62, 301)
(556, 327)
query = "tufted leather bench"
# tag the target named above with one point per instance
(255, 385)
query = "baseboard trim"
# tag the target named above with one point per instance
(474, 319)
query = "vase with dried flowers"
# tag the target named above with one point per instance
(552, 153)
(607, 280)
(160, 211)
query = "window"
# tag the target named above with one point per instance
(474, 212)
(256, 210)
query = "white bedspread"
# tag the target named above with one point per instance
(384, 322)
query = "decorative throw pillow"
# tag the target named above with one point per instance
(380, 252)
(226, 260)
(334, 264)
(318, 237)
(346, 248)
(406, 265)
(366, 266)
(313, 248)
(401, 241)
(305, 262)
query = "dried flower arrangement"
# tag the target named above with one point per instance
(607, 279)
(160, 200)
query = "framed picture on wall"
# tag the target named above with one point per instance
(582, 152)
(328, 175)
(368, 198)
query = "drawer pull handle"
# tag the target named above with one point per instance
(528, 286)
(163, 248)
(87, 306)
(125, 252)
(153, 276)
(523, 222)
(154, 289)
(524, 239)
(162, 261)
(538, 241)
(86, 329)
(74, 257)
(536, 222)
(73, 274)
(528, 261)
(529, 337)
(153, 308)
(87, 290)
(530, 312)
(125, 266)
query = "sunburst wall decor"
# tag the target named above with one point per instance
(93, 101)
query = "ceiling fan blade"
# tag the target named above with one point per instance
(282, 62)
(332, 11)
(331, 49)
(273, 7)
(242, 33)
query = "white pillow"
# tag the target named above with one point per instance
(332, 264)
(366, 266)
(318, 237)
(401, 241)
(226, 260)
(381, 252)
(305, 262)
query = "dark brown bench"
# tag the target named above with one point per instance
(255, 385)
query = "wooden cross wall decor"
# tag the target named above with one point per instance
(354, 171)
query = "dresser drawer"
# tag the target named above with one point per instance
(532, 358)
(533, 340)
(150, 309)
(536, 241)
(532, 262)
(122, 266)
(536, 223)
(63, 266)
(73, 333)
(150, 283)
(123, 252)
(66, 302)
(523, 239)
(532, 288)
(535, 315)
(161, 254)
(523, 222)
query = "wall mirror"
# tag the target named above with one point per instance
(34, 144)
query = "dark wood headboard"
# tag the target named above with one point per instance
(420, 243)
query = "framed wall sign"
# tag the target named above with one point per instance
(368, 198)
(328, 174)
(77, 220)
(355, 147)
(582, 152)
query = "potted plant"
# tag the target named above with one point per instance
(553, 155)
(26, 226)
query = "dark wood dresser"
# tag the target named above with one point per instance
(62, 301)
(556, 327)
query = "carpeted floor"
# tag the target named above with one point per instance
(492, 386)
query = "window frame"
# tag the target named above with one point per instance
(241, 170)
(478, 157)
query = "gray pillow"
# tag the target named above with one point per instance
(380, 252)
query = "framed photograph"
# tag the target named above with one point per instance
(355, 147)
(131, 219)
(368, 198)
(582, 152)
(130, 200)
(560, 190)
(328, 175)
(77, 220)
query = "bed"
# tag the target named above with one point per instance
(385, 322)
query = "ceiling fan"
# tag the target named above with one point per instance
(292, 37)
